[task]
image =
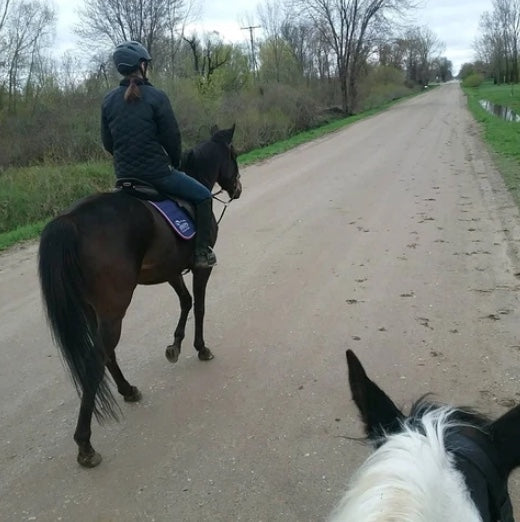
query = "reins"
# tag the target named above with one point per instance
(225, 203)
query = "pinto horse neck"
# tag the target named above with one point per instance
(410, 478)
(439, 463)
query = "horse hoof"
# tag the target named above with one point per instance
(90, 460)
(172, 353)
(205, 354)
(135, 396)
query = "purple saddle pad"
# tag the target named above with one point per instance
(176, 217)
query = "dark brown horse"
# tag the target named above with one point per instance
(93, 256)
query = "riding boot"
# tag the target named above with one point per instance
(204, 255)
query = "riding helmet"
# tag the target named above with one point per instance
(128, 55)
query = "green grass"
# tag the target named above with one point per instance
(502, 136)
(29, 197)
(21, 234)
(31, 194)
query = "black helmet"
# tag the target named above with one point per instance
(128, 56)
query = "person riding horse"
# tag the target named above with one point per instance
(140, 131)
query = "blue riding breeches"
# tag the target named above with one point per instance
(182, 186)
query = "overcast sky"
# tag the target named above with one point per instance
(455, 22)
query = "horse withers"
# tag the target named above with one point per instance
(437, 464)
(92, 257)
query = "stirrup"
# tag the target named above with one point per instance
(205, 259)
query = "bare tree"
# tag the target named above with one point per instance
(210, 56)
(499, 40)
(4, 7)
(441, 69)
(349, 26)
(490, 47)
(28, 28)
(422, 47)
(272, 19)
(157, 24)
(508, 14)
(300, 39)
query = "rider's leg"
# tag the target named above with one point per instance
(204, 255)
(185, 187)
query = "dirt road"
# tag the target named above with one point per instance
(394, 237)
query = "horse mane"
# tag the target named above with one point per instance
(199, 162)
(410, 477)
(458, 417)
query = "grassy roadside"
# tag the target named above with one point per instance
(282, 146)
(29, 197)
(502, 136)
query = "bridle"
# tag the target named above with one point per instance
(478, 465)
(225, 203)
(228, 202)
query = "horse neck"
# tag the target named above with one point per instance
(209, 184)
(204, 164)
(409, 479)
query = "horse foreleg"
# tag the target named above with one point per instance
(110, 332)
(173, 350)
(200, 281)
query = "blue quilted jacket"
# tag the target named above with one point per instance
(143, 136)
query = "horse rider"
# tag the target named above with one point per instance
(139, 129)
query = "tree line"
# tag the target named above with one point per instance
(309, 61)
(496, 47)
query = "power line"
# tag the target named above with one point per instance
(251, 28)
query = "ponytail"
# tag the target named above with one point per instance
(133, 93)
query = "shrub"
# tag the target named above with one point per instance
(473, 80)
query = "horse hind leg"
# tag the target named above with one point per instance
(173, 350)
(87, 456)
(110, 332)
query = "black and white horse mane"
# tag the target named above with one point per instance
(437, 463)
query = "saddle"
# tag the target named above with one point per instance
(146, 191)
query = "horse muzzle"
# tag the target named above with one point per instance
(237, 192)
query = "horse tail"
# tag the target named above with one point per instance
(71, 318)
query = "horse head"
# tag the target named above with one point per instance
(434, 452)
(228, 175)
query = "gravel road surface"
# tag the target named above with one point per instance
(394, 237)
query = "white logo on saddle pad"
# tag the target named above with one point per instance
(182, 225)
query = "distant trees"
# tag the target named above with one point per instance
(26, 27)
(442, 69)
(315, 60)
(351, 29)
(498, 42)
(422, 47)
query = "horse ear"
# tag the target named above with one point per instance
(379, 414)
(506, 434)
(228, 135)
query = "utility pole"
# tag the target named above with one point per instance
(251, 28)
